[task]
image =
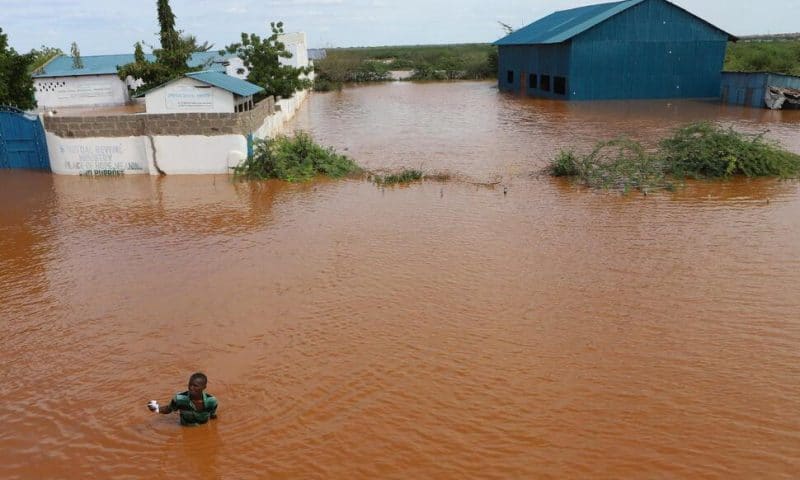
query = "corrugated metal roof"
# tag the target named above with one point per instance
(226, 82)
(107, 64)
(61, 66)
(563, 25)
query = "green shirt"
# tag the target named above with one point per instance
(190, 415)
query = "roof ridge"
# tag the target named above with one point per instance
(564, 25)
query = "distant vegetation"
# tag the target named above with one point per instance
(427, 62)
(700, 150)
(778, 56)
(294, 159)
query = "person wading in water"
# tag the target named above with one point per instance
(194, 405)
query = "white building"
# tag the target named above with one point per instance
(202, 92)
(59, 84)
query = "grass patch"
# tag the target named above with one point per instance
(778, 56)
(294, 159)
(699, 150)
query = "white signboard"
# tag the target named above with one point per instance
(189, 98)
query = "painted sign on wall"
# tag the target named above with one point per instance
(189, 98)
(97, 157)
(87, 90)
(80, 91)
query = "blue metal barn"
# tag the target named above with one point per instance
(622, 50)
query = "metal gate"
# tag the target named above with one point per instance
(22, 140)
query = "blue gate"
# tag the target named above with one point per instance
(22, 140)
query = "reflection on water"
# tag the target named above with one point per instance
(439, 330)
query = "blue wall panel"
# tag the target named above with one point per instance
(747, 89)
(552, 60)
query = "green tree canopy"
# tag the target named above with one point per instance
(171, 58)
(16, 83)
(262, 58)
(42, 55)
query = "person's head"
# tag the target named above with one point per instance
(197, 383)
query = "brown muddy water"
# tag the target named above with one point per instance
(437, 330)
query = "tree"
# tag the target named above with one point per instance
(171, 58)
(166, 19)
(43, 55)
(16, 83)
(262, 58)
(174, 53)
(138, 53)
(194, 45)
(152, 74)
(77, 62)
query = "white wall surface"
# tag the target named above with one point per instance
(83, 91)
(190, 154)
(273, 125)
(196, 154)
(297, 45)
(189, 96)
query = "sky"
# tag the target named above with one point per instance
(102, 27)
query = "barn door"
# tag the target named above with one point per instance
(22, 140)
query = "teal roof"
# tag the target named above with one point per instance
(61, 66)
(226, 82)
(566, 24)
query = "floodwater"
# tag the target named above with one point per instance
(441, 330)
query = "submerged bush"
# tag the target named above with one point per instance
(619, 164)
(325, 85)
(406, 176)
(294, 159)
(564, 165)
(699, 150)
(703, 150)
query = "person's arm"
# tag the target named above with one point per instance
(164, 408)
(212, 409)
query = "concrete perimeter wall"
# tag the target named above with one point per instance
(183, 143)
(160, 124)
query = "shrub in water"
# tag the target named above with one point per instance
(621, 164)
(699, 150)
(294, 159)
(406, 176)
(564, 165)
(703, 150)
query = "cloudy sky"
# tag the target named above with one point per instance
(113, 26)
